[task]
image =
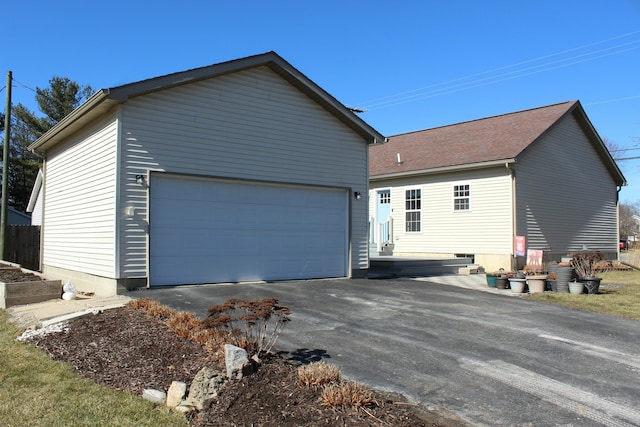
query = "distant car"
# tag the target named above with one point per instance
(624, 244)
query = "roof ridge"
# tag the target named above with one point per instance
(485, 118)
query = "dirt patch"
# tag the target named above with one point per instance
(13, 275)
(127, 350)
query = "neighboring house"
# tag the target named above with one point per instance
(470, 188)
(34, 207)
(240, 171)
(15, 217)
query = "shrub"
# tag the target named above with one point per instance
(317, 374)
(347, 394)
(254, 325)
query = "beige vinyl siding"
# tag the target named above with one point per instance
(249, 125)
(79, 228)
(565, 194)
(485, 228)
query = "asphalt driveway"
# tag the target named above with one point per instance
(491, 359)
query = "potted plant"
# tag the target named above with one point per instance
(536, 281)
(517, 282)
(587, 264)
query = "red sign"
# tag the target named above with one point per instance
(520, 243)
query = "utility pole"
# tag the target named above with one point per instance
(5, 166)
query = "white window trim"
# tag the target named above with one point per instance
(412, 210)
(454, 198)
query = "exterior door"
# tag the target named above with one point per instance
(383, 211)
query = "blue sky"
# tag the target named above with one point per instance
(412, 64)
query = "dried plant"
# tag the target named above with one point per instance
(349, 394)
(588, 263)
(317, 374)
(254, 325)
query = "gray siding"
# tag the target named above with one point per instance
(79, 227)
(566, 199)
(249, 125)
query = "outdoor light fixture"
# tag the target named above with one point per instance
(130, 211)
(357, 195)
(140, 179)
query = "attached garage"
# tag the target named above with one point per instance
(210, 231)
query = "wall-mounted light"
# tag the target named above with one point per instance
(140, 179)
(130, 211)
(357, 195)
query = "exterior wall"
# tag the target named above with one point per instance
(566, 199)
(485, 230)
(36, 214)
(79, 218)
(249, 125)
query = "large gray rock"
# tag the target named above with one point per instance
(205, 386)
(176, 392)
(237, 362)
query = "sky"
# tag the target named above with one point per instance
(411, 65)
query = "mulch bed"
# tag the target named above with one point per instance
(126, 350)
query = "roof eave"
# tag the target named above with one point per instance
(445, 169)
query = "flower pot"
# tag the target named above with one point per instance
(537, 283)
(563, 275)
(576, 287)
(591, 284)
(491, 280)
(501, 282)
(552, 285)
(517, 285)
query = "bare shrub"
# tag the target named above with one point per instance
(151, 308)
(317, 374)
(254, 325)
(347, 394)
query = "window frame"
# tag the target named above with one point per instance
(413, 210)
(458, 197)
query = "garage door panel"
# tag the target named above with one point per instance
(209, 231)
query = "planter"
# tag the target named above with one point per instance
(537, 284)
(501, 282)
(552, 285)
(517, 285)
(576, 287)
(591, 284)
(563, 275)
(491, 280)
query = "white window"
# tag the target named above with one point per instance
(461, 197)
(412, 210)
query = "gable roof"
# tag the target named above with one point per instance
(479, 143)
(103, 100)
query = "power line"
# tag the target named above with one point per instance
(395, 99)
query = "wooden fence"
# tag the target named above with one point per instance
(22, 246)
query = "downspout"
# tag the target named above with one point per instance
(513, 214)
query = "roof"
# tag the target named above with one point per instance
(104, 100)
(479, 143)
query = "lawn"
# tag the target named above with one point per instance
(619, 296)
(37, 391)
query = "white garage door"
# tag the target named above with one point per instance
(213, 231)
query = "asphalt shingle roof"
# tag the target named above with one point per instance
(484, 140)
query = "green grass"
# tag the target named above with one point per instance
(37, 391)
(619, 296)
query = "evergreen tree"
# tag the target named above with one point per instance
(59, 99)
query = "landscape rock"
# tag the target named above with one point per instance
(205, 386)
(155, 396)
(176, 393)
(237, 362)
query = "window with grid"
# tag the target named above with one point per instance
(412, 210)
(385, 197)
(461, 197)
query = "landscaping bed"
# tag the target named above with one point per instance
(127, 350)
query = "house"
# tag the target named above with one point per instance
(240, 171)
(34, 207)
(469, 189)
(16, 217)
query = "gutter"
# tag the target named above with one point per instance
(444, 169)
